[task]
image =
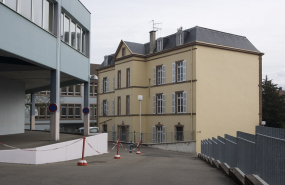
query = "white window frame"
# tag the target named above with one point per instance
(179, 96)
(159, 45)
(159, 75)
(159, 107)
(179, 70)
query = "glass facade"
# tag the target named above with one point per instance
(66, 30)
(38, 12)
(48, 16)
(72, 33)
(26, 9)
(78, 38)
(12, 4)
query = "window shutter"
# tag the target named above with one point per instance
(154, 104)
(153, 134)
(163, 104)
(107, 107)
(113, 132)
(154, 76)
(173, 72)
(163, 74)
(163, 134)
(185, 102)
(173, 102)
(184, 70)
(113, 107)
(101, 105)
(113, 83)
(101, 86)
(107, 85)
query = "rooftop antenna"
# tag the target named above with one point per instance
(154, 27)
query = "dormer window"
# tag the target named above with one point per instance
(159, 45)
(123, 52)
(179, 38)
(105, 60)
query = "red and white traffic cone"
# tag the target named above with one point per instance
(118, 156)
(139, 152)
(82, 162)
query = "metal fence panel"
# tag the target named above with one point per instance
(246, 152)
(221, 149)
(270, 158)
(230, 150)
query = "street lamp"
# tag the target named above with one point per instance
(263, 123)
(140, 98)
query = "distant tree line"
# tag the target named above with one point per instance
(273, 104)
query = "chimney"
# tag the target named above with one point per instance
(152, 41)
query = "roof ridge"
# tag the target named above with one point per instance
(133, 42)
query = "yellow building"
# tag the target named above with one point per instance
(196, 84)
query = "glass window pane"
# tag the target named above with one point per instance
(77, 89)
(26, 8)
(70, 111)
(72, 31)
(77, 111)
(66, 29)
(91, 89)
(78, 37)
(61, 26)
(12, 4)
(70, 90)
(84, 42)
(91, 111)
(63, 111)
(48, 16)
(95, 111)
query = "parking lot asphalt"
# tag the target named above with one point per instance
(153, 166)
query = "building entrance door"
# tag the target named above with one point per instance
(123, 133)
(159, 134)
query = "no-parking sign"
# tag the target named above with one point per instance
(85, 110)
(52, 107)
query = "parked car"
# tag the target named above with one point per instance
(91, 130)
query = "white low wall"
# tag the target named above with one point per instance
(59, 152)
(186, 147)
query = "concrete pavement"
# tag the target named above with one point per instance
(154, 166)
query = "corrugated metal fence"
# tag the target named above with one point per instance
(262, 154)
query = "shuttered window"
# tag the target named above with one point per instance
(179, 102)
(159, 75)
(113, 107)
(179, 71)
(154, 104)
(101, 107)
(119, 106)
(113, 83)
(119, 79)
(154, 76)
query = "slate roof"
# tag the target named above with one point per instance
(198, 34)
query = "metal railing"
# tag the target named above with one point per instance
(147, 138)
(262, 154)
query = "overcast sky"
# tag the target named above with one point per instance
(261, 21)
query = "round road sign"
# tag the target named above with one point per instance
(85, 110)
(52, 107)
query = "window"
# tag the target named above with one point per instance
(179, 102)
(78, 38)
(159, 75)
(70, 111)
(77, 90)
(61, 27)
(105, 107)
(66, 29)
(119, 79)
(73, 34)
(43, 112)
(128, 78)
(105, 85)
(119, 106)
(84, 44)
(123, 52)
(104, 128)
(63, 111)
(93, 112)
(113, 83)
(48, 16)
(113, 107)
(72, 90)
(159, 45)
(127, 105)
(26, 9)
(179, 71)
(12, 4)
(38, 12)
(179, 37)
(93, 88)
(159, 104)
(158, 134)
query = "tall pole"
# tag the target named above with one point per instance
(140, 123)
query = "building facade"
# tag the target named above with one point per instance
(196, 83)
(71, 103)
(44, 46)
